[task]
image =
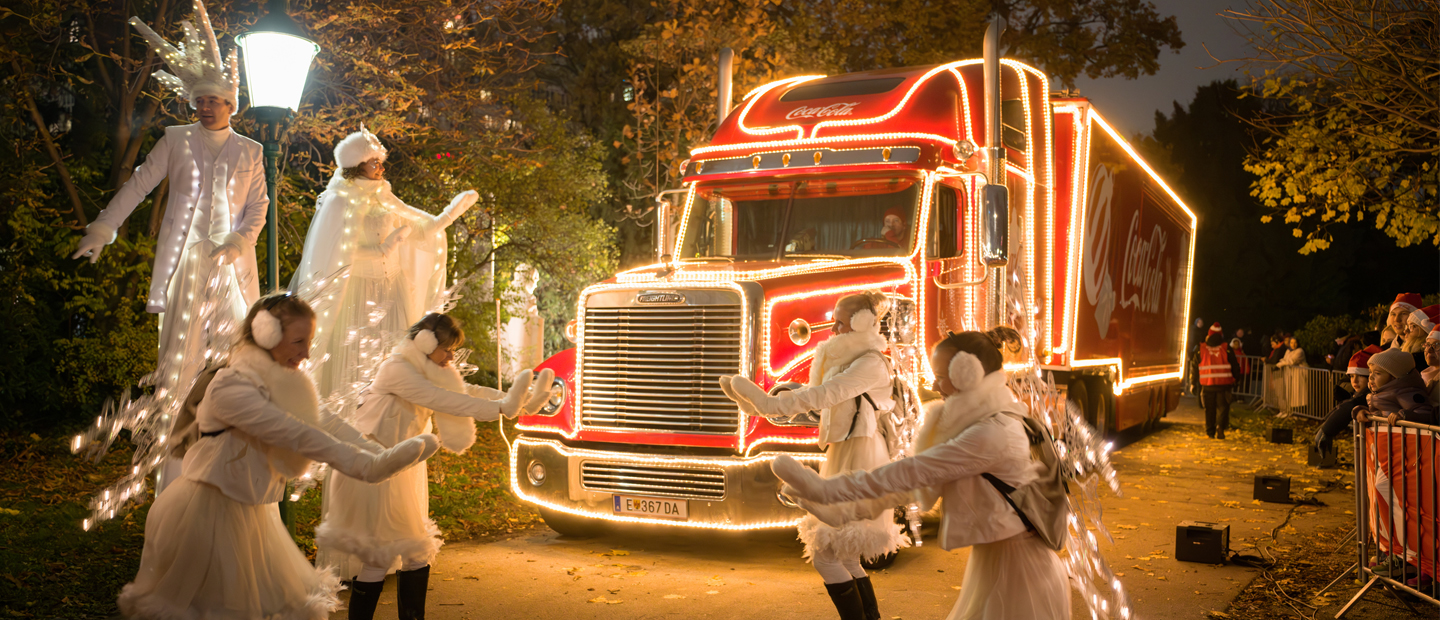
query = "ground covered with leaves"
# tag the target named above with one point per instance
(50, 568)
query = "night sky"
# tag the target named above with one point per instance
(1130, 105)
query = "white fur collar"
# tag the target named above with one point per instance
(839, 350)
(457, 433)
(290, 389)
(947, 419)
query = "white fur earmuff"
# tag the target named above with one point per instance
(425, 341)
(863, 321)
(965, 371)
(266, 329)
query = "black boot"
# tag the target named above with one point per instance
(410, 586)
(867, 598)
(846, 597)
(364, 596)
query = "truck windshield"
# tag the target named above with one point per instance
(811, 218)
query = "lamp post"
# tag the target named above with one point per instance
(277, 61)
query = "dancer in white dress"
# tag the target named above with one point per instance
(975, 430)
(849, 380)
(369, 529)
(217, 206)
(395, 252)
(214, 543)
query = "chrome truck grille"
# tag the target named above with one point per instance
(655, 369)
(653, 481)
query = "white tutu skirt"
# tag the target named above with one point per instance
(868, 539)
(208, 557)
(386, 524)
(1013, 579)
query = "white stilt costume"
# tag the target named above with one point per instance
(396, 254)
(205, 252)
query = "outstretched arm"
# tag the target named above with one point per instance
(147, 175)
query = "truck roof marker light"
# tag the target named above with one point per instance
(804, 142)
(1190, 263)
(724, 463)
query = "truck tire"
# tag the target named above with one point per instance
(1076, 393)
(1100, 408)
(566, 524)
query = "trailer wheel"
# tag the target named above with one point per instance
(566, 524)
(1099, 405)
(1075, 392)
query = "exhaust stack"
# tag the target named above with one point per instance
(995, 205)
(722, 90)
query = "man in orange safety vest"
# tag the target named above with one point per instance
(1218, 369)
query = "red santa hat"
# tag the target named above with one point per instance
(1434, 333)
(1408, 301)
(1215, 329)
(1360, 361)
(1426, 317)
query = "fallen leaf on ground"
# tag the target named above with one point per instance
(601, 599)
(712, 591)
(674, 596)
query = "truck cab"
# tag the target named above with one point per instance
(816, 187)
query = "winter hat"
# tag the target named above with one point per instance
(1360, 361)
(1426, 317)
(358, 148)
(1215, 329)
(1408, 301)
(1434, 333)
(197, 67)
(1394, 361)
(1236, 344)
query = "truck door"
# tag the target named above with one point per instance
(946, 264)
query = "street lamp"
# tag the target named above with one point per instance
(277, 61)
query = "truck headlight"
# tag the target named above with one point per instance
(557, 398)
(572, 330)
(536, 473)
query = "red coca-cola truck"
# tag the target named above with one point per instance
(949, 195)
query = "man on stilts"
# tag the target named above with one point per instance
(204, 275)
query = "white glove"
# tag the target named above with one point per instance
(457, 207)
(226, 254)
(362, 465)
(394, 239)
(510, 405)
(540, 391)
(727, 386)
(763, 404)
(97, 236)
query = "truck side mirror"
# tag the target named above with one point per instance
(995, 226)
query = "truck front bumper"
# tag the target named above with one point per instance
(584, 482)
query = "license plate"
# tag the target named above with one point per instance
(652, 507)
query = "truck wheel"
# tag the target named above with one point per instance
(566, 524)
(1076, 393)
(1100, 408)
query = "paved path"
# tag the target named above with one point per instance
(1171, 475)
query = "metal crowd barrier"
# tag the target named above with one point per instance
(1396, 488)
(1301, 390)
(1251, 384)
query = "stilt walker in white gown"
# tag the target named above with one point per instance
(368, 530)
(396, 254)
(214, 543)
(849, 380)
(976, 430)
(205, 252)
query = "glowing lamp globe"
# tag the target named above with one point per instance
(277, 59)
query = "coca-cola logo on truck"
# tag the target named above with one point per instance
(1148, 275)
(834, 109)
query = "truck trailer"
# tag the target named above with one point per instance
(921, 182)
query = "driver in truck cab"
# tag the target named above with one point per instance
(893, 231)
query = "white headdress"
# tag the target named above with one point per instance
(197, 67)
(357, 148)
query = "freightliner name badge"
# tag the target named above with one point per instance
(659, 297)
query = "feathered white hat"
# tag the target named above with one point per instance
(197, 67)
(357, 148)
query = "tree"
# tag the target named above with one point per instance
(1355, 134)
(1248, 274)
(445, 84)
